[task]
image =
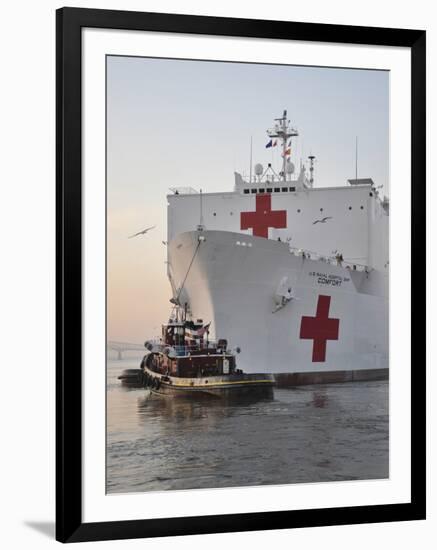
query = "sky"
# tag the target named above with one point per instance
(183, 123)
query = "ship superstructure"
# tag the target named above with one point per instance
(296, 274)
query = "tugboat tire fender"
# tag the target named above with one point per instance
(145, 379)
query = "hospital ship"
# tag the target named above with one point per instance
(293, 273)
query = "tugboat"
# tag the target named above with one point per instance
(185, 362)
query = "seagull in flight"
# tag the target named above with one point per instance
(323, 220)
(143, 232)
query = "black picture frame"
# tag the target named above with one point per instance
(69, 24)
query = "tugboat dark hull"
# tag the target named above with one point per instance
(259, 386)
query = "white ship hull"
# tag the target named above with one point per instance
(336, 322)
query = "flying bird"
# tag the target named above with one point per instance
(323, 220)
(143, 232)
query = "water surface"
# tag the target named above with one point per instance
(306, 434)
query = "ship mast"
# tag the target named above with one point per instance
(283, 131)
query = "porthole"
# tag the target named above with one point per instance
(298, 210)
(321, 210)
(214, 214)
(362, 207)
(350, 207)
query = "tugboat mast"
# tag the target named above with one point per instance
(283, 130)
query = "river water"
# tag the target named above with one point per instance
(306, 434)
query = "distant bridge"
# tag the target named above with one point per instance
(120, 347)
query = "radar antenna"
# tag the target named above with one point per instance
(201, 227)
(311, 159)
(283, 130)
(250, 161)
(356, 158)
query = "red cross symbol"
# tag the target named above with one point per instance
(320, 329)
(263, 217)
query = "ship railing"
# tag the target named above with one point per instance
(263, 181)
(187, 350)
(332, 260)
(183, 191)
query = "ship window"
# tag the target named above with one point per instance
(350, 207)
(269, 189)
(214, 214)
(292, 189)
(362, 207)
(277, 189)
(284, 189)
(261, 190)
(321, 210)
(253, 190)
(246, 191)
(298, 210)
